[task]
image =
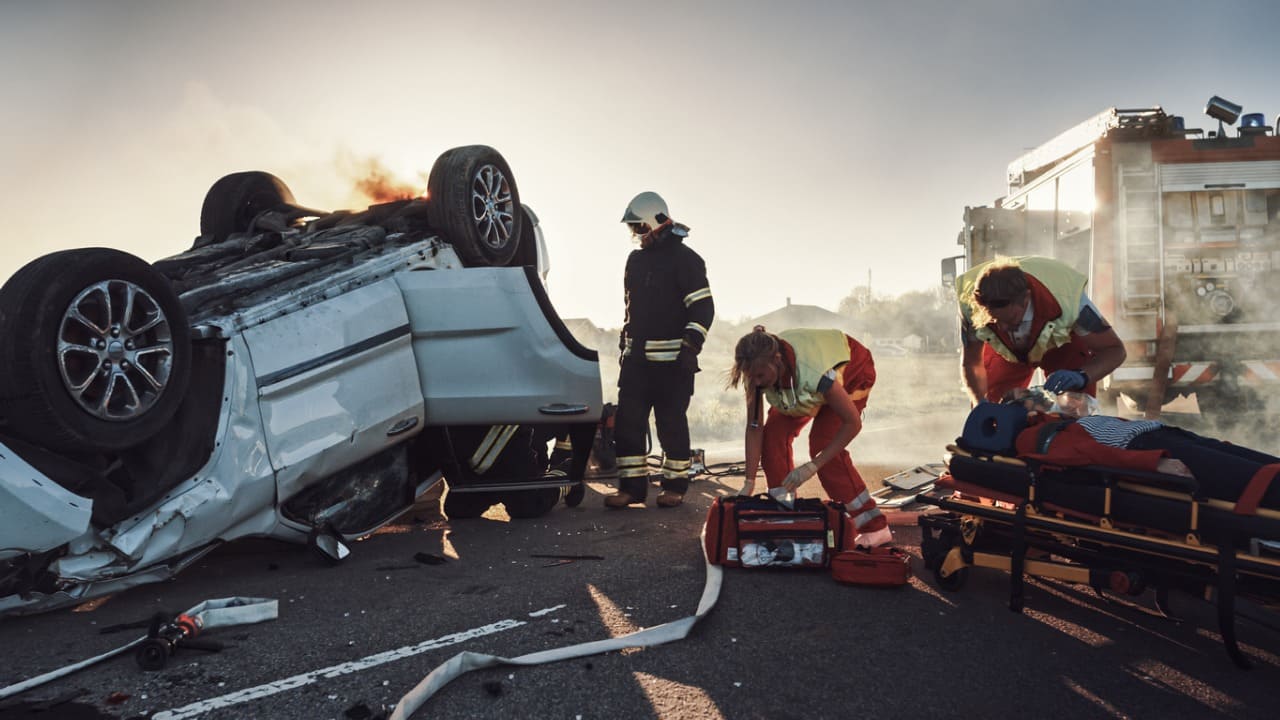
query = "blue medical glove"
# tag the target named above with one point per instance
(1064, 380)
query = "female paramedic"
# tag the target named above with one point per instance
(819, 375)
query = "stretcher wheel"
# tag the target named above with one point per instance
(952, 582)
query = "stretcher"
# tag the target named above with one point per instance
(1115, 530)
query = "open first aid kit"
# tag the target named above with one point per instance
(761, 532)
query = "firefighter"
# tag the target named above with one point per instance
(819, 375)
(1017, 314)
(668, 312)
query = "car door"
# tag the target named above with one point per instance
(337, 382)
(491, 349)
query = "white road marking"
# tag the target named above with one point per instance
(278, 686)
(545, 611)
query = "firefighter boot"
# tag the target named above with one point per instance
(670, 499)
(633, 482)
(620, 500)
(675, 482)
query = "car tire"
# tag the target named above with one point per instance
(527, 251)
(234, 201)
(466, 506)
(97, 351)
(475, 205)
(530, 504)
(576, 494)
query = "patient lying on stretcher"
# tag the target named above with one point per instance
(1065, 432)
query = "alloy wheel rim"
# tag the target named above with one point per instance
(115, 350)
(492, 207)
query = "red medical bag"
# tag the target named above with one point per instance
(884, 566)
(760, 532)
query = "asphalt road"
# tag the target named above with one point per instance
(779, 644)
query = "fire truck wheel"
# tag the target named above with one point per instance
(234, 201)
(474, 203)
(97, 352)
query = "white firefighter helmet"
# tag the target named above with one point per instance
(647, 208)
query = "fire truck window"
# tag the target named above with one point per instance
(1075, 189)
(1074, 216)
(1041, 197)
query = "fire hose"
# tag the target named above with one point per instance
(466, 661)
(166, 635)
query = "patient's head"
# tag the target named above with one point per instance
(1076, 404)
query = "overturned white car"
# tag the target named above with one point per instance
(297, 374)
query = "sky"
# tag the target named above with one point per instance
(812, 147)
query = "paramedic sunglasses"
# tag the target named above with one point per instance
(995, 304)
(636, 228)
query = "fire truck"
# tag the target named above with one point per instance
(1178, 231)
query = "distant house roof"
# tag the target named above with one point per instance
(805, 316)
(584, 330)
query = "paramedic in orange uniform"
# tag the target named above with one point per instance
(1017, 314)
(807, 375)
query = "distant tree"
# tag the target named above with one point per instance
(931, 314)
(856, 302)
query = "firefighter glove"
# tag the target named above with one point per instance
(799, 476)
(1064, 380)
(687, 359)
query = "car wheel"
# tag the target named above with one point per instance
(529, 504)
(527, 250)
(234, 201)
(96, 353)
(576, 494)
(466, 506)
(474, 203)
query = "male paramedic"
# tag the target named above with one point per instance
(1017, 314)
(668, 312)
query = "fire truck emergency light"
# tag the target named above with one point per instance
(1253, 124)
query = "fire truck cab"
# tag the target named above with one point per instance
(1178, 231)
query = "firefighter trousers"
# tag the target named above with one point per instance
(663, 389)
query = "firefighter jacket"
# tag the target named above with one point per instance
(668, 299)
(816, 352)
(1056, 292)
